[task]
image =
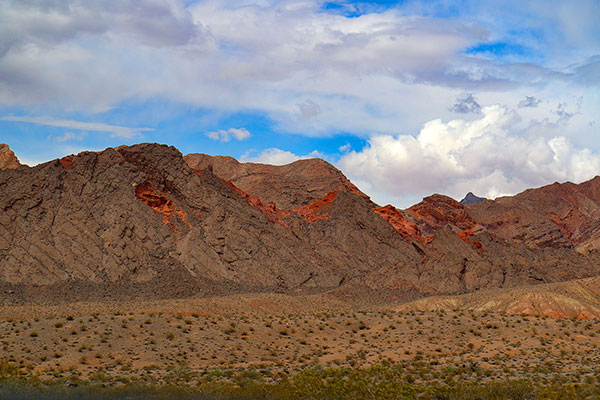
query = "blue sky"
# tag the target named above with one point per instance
(406, 98)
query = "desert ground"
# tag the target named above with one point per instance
(188, 341)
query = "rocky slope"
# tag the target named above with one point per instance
(138, 221)
(145, 222)
(287, 186)
(459, 254)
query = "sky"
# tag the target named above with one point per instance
(407, 98)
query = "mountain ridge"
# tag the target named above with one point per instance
(146, 222)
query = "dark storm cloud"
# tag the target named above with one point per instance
(466, 105)
(529, 101)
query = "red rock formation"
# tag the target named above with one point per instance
(8, 160)
(269, 209)
(311, 213)
(407, 229)
(155, 200)
(437, 211)
(92, 234)
(160, 203)
(68, 161)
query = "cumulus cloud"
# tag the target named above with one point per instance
(226, 135)
(277, 156)
(322, 74)
(114, 130)
(91, 56)
(490, 156)
(466, 104)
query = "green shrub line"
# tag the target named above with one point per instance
(381, 381)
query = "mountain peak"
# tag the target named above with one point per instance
(8, 160)
(288, 186)
(470, 198)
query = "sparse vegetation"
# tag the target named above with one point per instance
(451, 353)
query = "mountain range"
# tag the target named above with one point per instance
(146, 222)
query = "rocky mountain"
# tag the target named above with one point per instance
(558, 215)
(470, 198)
(8, 160)
(145, 222)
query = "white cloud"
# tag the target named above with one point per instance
(308, 71)
(115, 130)
(490, 156)
(226, 135)
(344, 148)
(68, 136)
(318, 75)
(277, 156)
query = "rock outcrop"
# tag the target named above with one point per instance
(8, 160)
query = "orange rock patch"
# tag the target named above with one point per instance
(161, 204)
(574, 220)
(269, 209)
(310, 213)
(465, 235)
(68, 161)
(407, 229)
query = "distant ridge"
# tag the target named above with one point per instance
(470, 198)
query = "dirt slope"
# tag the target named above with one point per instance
(573, 299)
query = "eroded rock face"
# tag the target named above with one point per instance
(437, 211)
(406, 228)
(456, 253)
(8, 160)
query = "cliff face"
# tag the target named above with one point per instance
(139, 222)
(8, 160)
